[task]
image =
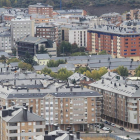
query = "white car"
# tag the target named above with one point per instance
(112, 124)
(106, 128)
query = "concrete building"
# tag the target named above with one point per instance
(120, 101)
(21, 27)
(33, 44)
(117, 41)
(78, 35)
(49, 32)
(18, 123)
(41, 9)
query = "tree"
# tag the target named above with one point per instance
(25, 66)
(123, 71)
(102, 52)
(46, 71)
(53, 63)
(14, 51)
(42, 50)
(28, 59)
(82, 70)
(13, 60)
(137, 70)
(3, 59)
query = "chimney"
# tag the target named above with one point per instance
(108, 73)
(70, 132)
(10, 112)
(35, 82)
(46, 132)
(4, 113)
(71, 137)
(31, 109)
(70, 88)
(78, 135)
(26, 107)
(4, 107)
(15, 82)
(24, 104)
(56, 89)
(25, 114)
(1, 69)
(55, 127)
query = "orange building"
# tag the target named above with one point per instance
(117, 41)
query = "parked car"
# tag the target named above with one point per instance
(106, 128)
(106, 122)
(109, 123)
(112, 124)
(121, 128)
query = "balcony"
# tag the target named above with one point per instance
(39, 126)
(12, 127)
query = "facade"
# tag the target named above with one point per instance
(42, 59)
(19, 123)
(120, 101)
(76, 107)
(41, 9)
(49, 32)
(78, 36)
(5, 39)
(31, 45)
(8, 17)
(21, 27)
(117, 41)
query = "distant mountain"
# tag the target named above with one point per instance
(95, 7)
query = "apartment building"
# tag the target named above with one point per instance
(41, 9)
(78, 35)
(120, 101)
(49, 32)
(18, 123)
(117, 41)
(21, 27)
(59, 104)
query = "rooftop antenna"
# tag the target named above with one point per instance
(60, 4)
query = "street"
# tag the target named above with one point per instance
(118, 132)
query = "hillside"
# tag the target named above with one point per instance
(94, 7)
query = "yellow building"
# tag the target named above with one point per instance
(42, 59)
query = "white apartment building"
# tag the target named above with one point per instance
(21, 27)
(78, 36)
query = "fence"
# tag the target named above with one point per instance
(101, 135)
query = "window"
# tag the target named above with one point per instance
(29, 123)
(92, 109)
(22, 131)
(29, 138)
(22, 124)
(93, 120)
(29, 131)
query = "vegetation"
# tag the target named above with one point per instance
(68, 3)
(13, 60)
(102, 52)
(121, 70)
(53, 63)
(3, 59)
(67, 49)
(28, 59)
(82, 70)
(96, 74)
(14, 51)
(42, 50)
(62, 74)
(137, 70)
(25, 66)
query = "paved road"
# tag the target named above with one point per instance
(118, 132)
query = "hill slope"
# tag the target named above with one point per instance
(92, 6)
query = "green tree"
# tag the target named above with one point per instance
(13, 60)
(53, 63)
(25, 66)
(42, 50)
(123, 71)
(82, 70)
(137, 71)
(53, 74)
(28, 59)
(3, 59)
(14, 51)
(102, 52)
(46, 71)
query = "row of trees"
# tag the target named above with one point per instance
(65, 48)
(53, 63)
(62, 74)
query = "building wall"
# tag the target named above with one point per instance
(21, 28)
(114, 44)
(79, 37)
(8, 18)
(41, 10)
(41, 62)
